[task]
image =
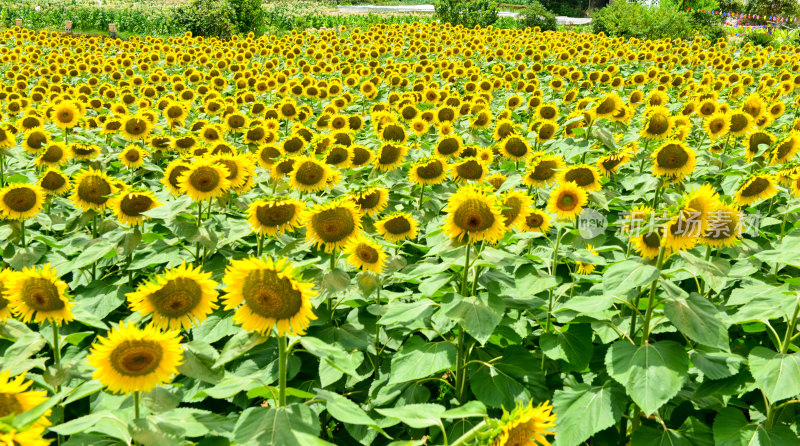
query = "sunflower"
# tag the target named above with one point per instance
(275, 216)
(754, 189)
(267, 294)
(428, 171)
(658, 123)
(586, 268)
(545, 130)
(674, 160)
(523, 426)
(607, 106)
(724, 227)
(180, 298)
(130, 359)
(212, 133)
(397, 227)
(332, 225)
(268, 154)
(703, 201)
(740, 122)
(683, 231)
(38, 294)
(515, 208)
(237, 166)
(83, 152)
(371, 201)
(717, 125)
(91, 190)
(753, 105)
(474, 213)
(129, 207)
(543, 170)
(175, 169)
(133, 156)
(21, 201)
(204, 179)
(467, 169)
(66, 114)
(648, 244)
(504, 128)
(136, 127)
(15, 399)
(361, 155)
(448, 146)
(338, 156)
(515, 148)
(8, 138)
(567, 201)
(365, 254)
(6, 275)
(755, 140)
(786, 149)
(32, 436)
(310, 175)
(535, 221)
(35, 140)
(282, 167)
(496, 180)
(583, 175)
(610, 164)
(390, 156)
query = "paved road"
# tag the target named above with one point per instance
(374, 9)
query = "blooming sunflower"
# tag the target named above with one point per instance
(136, 127)
(740, 122)
(361, 155)
(91, 190)
(180, 298)
(66, 114)
(610, 164)
(717, 125)
(583, 175)
(496, 180)
(32, 436)
(427, 171)
(132, 156)
(310, 175)
(397, 227)
(567, 201)
(754, 189)
(755, 140)
(525, 425)
(467, 169)
(130, 359)
(129, 207)
(724, 227)
(331, 225)
(204, 179)
(38, 294)
(682, 232)
(371, 201)
(390, 156)
(704, 200)
(515, 208)
(475, 214)
(648, 244)
(275, 216)
(53, 155)
(35, 139)
(786, 149)
(365, 254)
(674, 160)
(338, 156)
(266, 294)
(15, 398)
(175, 169)
(536, 221)
(515, 148)
(21, 201)
(658, 123)
(6, 275)
(586, 268)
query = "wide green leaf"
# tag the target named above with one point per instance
(584, 410)
(777, 374)
(698, 319)
(419, 359)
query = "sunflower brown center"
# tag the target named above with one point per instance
(389, 154)
(755, 187)
(36, 140)
(204, 179)
(448, 146)
(9, 404)
(547, 112)
(233, 168)
(310, 173)
(136, 357)
(235, 121)
(134, 204)
(275, 215)
(606, 107)
(135, 126)
(41, 295)
(293, 145)
(367, 253)
(20, 199)
(582, 176)
(176, 173)
(513, 205)
(53, 154)
(360, 156)
(132, 156)
(393, 132)
(177, 297)
(544, 170)
(65, 115)
(174, 112)
(369, 201)
(53, 181)
(470, 170)
(397, 225)
(652, 240)
(534, 220)
(474, 215)
(337, 155)
(256, 134)
(672, 156)
(567, 201)
(658, 124)
(270, 296)
(516, 147)
(430, 170)
(333, 225)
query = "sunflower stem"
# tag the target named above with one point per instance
(421, 194)
(377, 328)
(460, 357)
(22, 233)
(56, 348)
(651, 300)
(553, 268)
(282, 359)
(470, 435)
(136, 401)
(260, 245)
(2, 170)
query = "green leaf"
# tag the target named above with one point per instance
(573, 345)
(239, 344)
(94, 252)
(401, 312)
(275, 425)
(101, 422)
(698, 319)
(530, 283)
(732, 429)
(778, 375)
(331, 354)
(648, 436)
(419, 359)
(652, 374)
(717, 365)
(621, 277)
(347, 411)
(478, 315)
(468, 410)
(584, 410)
(417, 416)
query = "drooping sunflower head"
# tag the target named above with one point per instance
(130, 359)
(339, 156)
(390, 156)
(38, 295)
(397, 227)
(524, 425)
(516, 206)
(567, 200)
(756, 141)
(365, 254)
(724, 228)
(496, 180)
(584, 175)
(448, 146)
(543, 170)
(266, 294)
(133, 156)
(467, 169)
(175, 169)
(474, 214)
(331, 225)
(275, 216)
(428, 171)
(361, 155)
(35, 139)
(371, 201)
(674, 160)
(515, 148)
(55, 154)
(786, 149)
(310, 175)
(204, 179)
(81, 151)
(647, 244)
(180, 298)
(703, 200)
(129, 207)
(658, 123)
(20, 201)
(756, 188)
(683, 231)
(740, 122)
(610, 164)
(607, 106)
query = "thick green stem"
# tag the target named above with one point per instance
(460, 353)
(137, 398)
(470, 435)
(260, 245)
(651, 300)
(283, 356)
(421, 194)
(22, 233)
(787, 338)
(554, 266)
(2, 170)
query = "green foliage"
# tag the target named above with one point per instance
(772, 7)
(469, 13)
(537, 15)
(759, 38)
(249, 15)
(631, 19)
(209, 18)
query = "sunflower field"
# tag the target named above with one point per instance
(412, 234)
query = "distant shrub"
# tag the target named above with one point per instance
(537, 15)
(631, 19)
(209, 18)
(468, 13)
(249, 15)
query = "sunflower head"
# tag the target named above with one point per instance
(331, 225)
(756, 188)
(204, 179)
(310, 175)
(276, 216)
(21, 201)
(467, 169)
(92, 189)
(267, 294)
(365, 254)
(130, 359)
(543, 170)
(516, 207)
(129, 207)
(397, 227)
(674, 160)
(583, 175)
(474, 214)
(15, 398)
(567, 200)
(724, 227)
(38, 295)
(515, 148)
(371, 201)
(133, 156)
(536, 221)
(428, 171)
(525, 425)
